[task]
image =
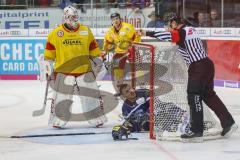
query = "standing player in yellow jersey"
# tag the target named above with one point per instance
(119, 38)
(71, 46)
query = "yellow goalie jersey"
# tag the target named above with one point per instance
(71, 49)
(121, 40)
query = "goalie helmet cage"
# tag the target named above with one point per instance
(159, 67)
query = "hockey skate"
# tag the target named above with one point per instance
(228, 131)
(192, 137)
(59, 124)
(98, 122)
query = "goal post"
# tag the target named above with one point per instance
(137, 51)
(159, 67)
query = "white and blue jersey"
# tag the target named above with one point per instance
(140, 117)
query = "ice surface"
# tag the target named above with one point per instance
(18, 99)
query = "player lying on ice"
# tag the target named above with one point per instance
(168, 116)
(135, 111)
(71, 46)
(132, 99)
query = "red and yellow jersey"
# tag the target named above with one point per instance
(71, 49)
(121, 40)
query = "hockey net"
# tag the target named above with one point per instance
(159, 67)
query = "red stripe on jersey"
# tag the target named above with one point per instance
(175, 36)
(93, 45)
(49, 46)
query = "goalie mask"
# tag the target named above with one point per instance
(70, 17)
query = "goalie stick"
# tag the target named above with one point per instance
(42, 110)
(42, 77)
(42, 69)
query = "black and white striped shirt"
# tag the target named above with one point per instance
(190, 45)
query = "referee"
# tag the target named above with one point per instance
(200, 77)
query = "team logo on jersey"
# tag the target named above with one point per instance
(60, 33)
(72, 42)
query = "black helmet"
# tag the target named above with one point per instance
(113, 15)
(171, 16)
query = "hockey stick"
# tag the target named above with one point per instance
(62, 134)
(126, 117)
(129, 138)
(119, 59)
(42, 110)
(112, 63)
(58, 134)
(100, 74)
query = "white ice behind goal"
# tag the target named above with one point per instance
(159, 67)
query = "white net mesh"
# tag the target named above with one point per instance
(167, 73)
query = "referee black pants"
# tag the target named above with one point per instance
(200, 88)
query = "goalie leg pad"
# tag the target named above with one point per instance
(59, 116)
(91, 103)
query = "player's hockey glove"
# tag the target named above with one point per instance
(121, 131)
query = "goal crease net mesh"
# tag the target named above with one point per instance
(159, 67)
